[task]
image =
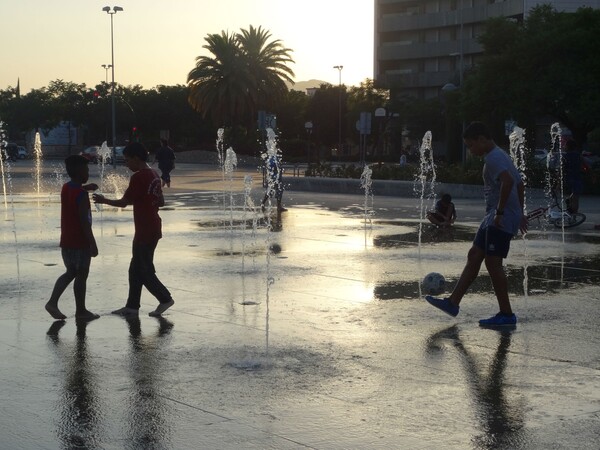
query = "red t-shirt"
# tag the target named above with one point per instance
(71, 231)
(144, 193)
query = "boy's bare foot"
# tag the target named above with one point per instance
(125, 311)
(86, 315)
(55, 312)
(161, 309)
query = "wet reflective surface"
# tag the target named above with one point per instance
(312, 335)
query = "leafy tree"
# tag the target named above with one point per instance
(268, 64)
(323, 111)
(367, 98)
(292, 115)
(546, 66)
(69, 104)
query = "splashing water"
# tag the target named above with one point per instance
(221, 158)
(228, 167)
(424, 185)
(366, 183)
(272, 157)
(554, 170)
(517, 154)
(58, 177)
(116, 184)
(7, 181)
(230, 162)
(37, 152)
(273, 168)
(103, 155)
(4, 167)
(220, 146)
(248, 207)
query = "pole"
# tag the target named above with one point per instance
(339, 68)
(461, 68)
(112, 93)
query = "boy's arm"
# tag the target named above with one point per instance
(120, 203)
(86, 226)
(90, 187)
(506, 185)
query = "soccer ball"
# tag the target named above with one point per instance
(433, 284)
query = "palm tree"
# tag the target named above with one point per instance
(245, 73)
(267, 62)
(219, 84)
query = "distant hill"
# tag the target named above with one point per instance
(304, 85)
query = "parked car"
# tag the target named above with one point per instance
(22, 152)
(91, 154)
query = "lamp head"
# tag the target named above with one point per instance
(117, 8)
(106, 8)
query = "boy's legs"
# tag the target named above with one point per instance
(143, 273)
(434, 218)
(475, 257)
(72, 259)
(499, 281)
(79, 289)
(59, 287)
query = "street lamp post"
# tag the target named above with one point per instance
(112, 12)
(339, 68)
(308, 126)
(106, 67)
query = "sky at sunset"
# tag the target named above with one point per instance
(156, 42)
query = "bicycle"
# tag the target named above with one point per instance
(557, 214)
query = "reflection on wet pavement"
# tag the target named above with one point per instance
(281, 341)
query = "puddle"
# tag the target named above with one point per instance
(429, 235)
(549, 276)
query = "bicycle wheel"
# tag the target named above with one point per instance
(570, 221)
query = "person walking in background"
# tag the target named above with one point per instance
(145, 194)
(77, 242)
(166, 162)
(504, 197)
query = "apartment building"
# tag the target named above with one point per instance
(423, 45)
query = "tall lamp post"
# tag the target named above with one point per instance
(339, 68)
(308, 126)
(106, 67)
(111, 13)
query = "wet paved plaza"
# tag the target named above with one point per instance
(305, 330)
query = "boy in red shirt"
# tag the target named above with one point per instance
(145, 194)
(76, 238)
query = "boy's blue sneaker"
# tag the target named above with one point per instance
(499, 320)
(444, 304)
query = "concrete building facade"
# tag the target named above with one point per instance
(423, 45)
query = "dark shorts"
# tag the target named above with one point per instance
(493, 241)
(76, 259)
(165, 173)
